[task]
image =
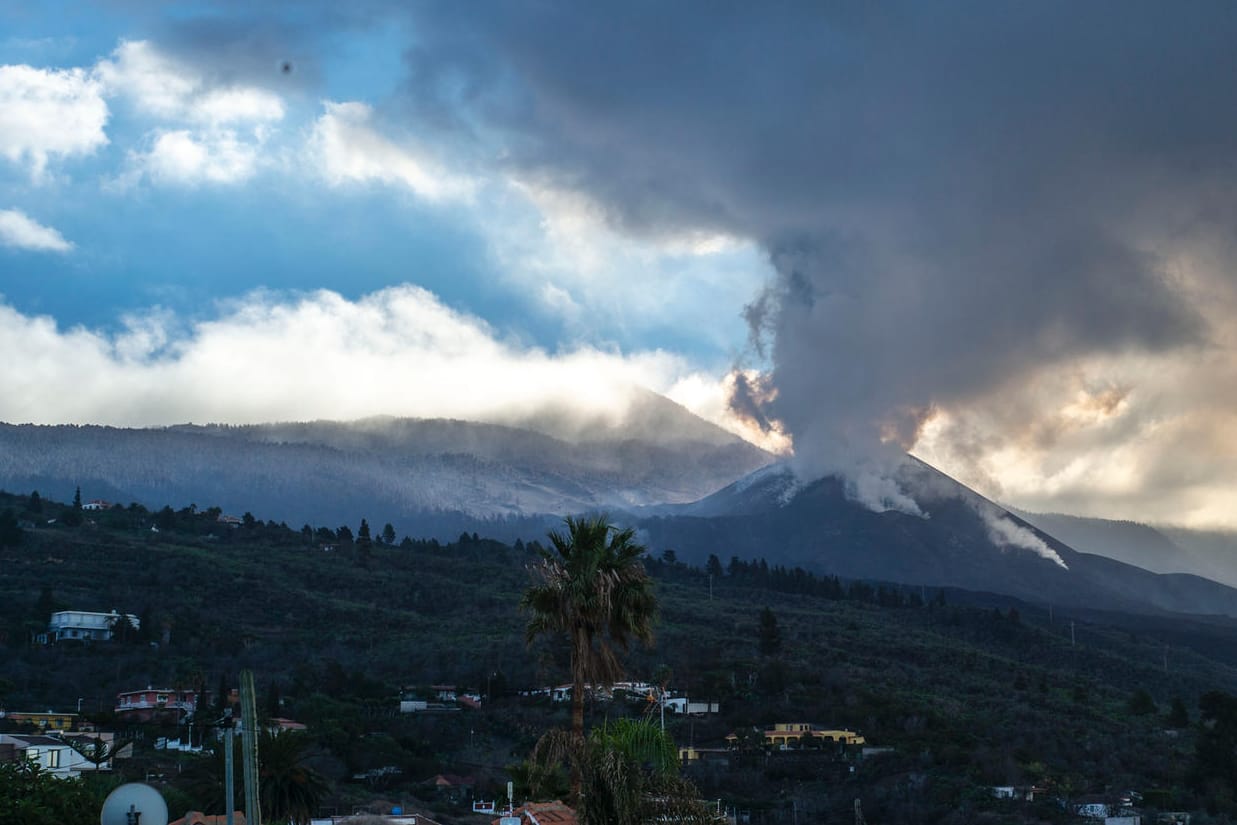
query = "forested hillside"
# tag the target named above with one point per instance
(428, 476)
(968, 690)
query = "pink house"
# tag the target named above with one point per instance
(151, 703)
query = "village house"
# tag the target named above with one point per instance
(690, 753)
(151, 703)
(540, 813)
(786, 735)
(685, 706)
(85, 626)
(52, 754)
(49, 721)
(199, 818)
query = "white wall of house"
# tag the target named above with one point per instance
(83, 625)
(51, 755)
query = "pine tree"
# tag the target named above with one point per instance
(770, 634)
(363, 542)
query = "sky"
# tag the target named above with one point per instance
(997, 235)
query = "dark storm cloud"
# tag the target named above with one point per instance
(250, 49)
(951, 194)
(280, 45)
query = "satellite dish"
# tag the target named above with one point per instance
(134, 804)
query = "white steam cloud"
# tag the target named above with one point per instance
(1002, 531)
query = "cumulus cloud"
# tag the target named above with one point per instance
(19, 231)
(399, 351)
(161, 86)
(958, 201)
(180, 156)
(49, 114)
(217, 133)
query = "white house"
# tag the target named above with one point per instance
(1092, 807)
(681, 704)
(84, 626)
(51, 754)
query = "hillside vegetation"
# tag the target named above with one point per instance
(968, 690)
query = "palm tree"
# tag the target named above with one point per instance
(592, 588)
(289, 789)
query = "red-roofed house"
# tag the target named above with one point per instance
(543, 813)
(199, 818)
(151, 703)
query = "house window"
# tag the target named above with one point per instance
(53, 759)
(32, 754)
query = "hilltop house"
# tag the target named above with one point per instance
(85, 626)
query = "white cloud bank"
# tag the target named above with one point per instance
(399, 351)
(20, 231)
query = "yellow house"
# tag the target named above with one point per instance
(45, 721)
(801, 734)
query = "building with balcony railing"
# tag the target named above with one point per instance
(85, 626)
(151, 703)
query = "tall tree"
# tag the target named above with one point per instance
(290, 790)
(770, 634)
(122, 628)
(364, 543)
(592, 588)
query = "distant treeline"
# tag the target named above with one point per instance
(758, 573)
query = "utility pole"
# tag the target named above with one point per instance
(229, 772)
(1071, 633)
(249, 747)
